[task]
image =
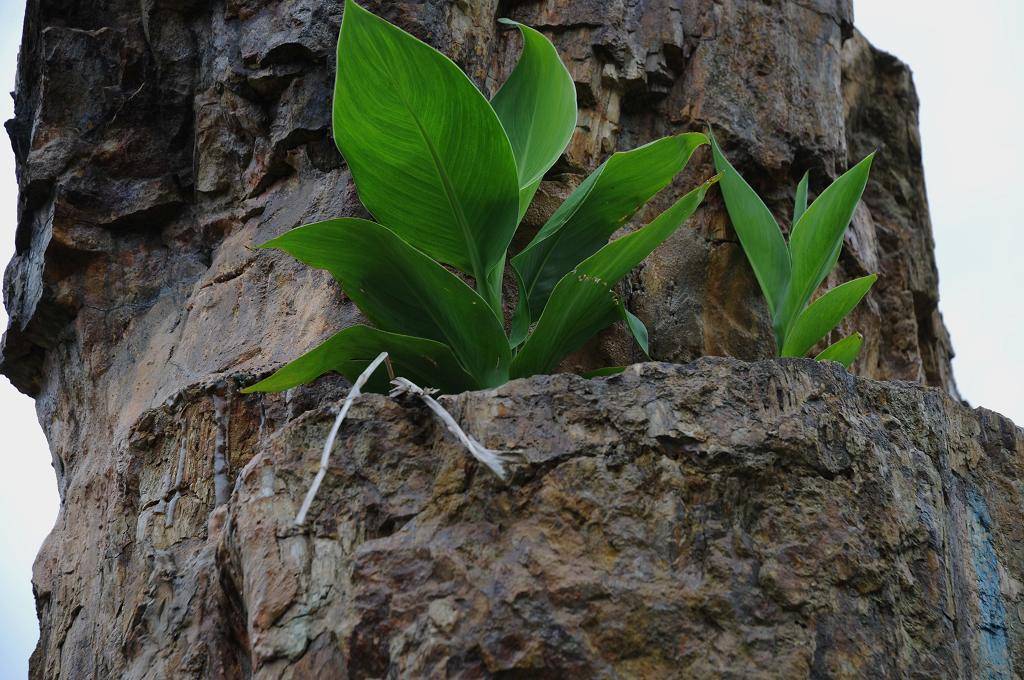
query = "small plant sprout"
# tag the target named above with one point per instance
(447, 176)
(789, 274)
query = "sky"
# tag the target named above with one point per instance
(28, 488)
(967, 66)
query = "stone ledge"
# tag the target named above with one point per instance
(715, 519)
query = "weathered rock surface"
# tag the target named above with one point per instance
(715, 519)
(158, 141)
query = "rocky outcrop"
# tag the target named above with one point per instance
(716, 519)
(159, 141)
(881, 113)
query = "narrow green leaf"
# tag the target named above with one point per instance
(824, 314)
(601, 205)
(428, 154)
(816, 239)
(757, 230)
(800, 204)
(521, 316)
(403, 291)
(526, 195)
(604, 372)
(492, 292)
(582, 306)
(537, 107)
(349, 352)
(584, 301)
(845, 351)
(638, 330)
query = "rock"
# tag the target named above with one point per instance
(714, 519)
(211, 134)
(158, 142)
(881, 114)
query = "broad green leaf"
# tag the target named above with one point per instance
(604, 372)
(428, 154)
(757, 230)
(584, 301)
(816, 239)
(824, 314)
(638, 330)
(537, 107)
(349, 352)
(600, 206)
(845, 351)
(800, 204)
(403, 291)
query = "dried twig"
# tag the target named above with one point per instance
(494, 460)
(325, 455)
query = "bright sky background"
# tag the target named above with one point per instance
(967, 66)
(28, 488)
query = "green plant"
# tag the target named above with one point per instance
(789, 274)
(448, 177)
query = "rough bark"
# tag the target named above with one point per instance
(158, 141)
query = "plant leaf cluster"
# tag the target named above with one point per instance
(447, 176)
(790, 273)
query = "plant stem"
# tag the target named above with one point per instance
(489, 287)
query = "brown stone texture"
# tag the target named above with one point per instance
(714, 519)
(773, 519)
